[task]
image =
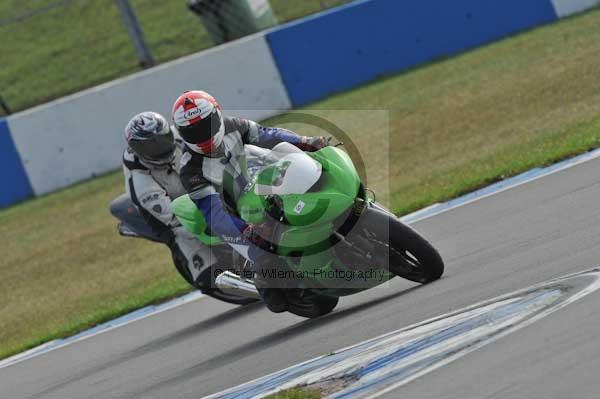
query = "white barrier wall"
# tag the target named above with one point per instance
(565, 8)
(80, 136)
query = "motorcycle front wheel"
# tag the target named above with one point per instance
(407, 254)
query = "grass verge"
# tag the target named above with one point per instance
(296, 393)
(454, 126)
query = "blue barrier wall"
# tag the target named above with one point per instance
(15, 184)
(342, 48)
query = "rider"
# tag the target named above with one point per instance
(213, 143)
(151, 169)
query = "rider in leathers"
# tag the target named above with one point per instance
(151, 168)
(214, 144)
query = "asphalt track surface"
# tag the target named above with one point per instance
(525, 235)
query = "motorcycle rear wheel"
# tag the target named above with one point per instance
(311, 305)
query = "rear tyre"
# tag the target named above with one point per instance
(307, 304)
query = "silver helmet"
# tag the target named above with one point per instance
(150, 137)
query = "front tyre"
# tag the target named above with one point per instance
(410, 256)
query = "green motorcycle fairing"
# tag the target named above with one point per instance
(309, 216)
(192, 219)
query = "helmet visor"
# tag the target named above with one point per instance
(203, 130)
(155, 149)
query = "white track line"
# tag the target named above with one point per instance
(102, 328)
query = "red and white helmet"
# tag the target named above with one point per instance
(197, 116)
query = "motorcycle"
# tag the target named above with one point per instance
(133, 224)
(326, 230)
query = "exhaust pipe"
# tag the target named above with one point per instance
(231, 283)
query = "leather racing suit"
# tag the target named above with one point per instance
(152, 188)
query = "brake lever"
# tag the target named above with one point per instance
(330, 138)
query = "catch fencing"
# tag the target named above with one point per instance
(52, 48)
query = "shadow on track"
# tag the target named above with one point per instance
(257, 345)
(156, 345)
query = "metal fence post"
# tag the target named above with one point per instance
(135, 33)
(4, 107)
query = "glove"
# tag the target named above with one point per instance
(311, 144)
(259, 235)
